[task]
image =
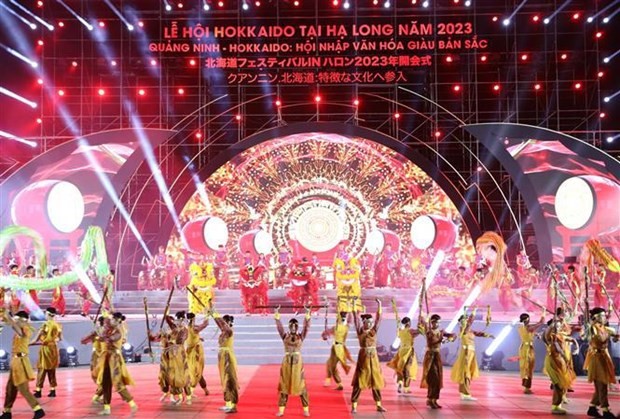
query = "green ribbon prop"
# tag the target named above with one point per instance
(92, 245)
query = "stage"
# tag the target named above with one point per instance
(499, 396)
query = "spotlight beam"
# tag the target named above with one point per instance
(603, 10)
(609, 17)
(558, 10)
(20, 17)
(468, 303)
(610, 97)
(78, 17)
(500, 338)
(17, 97)
(513, 14)
(35, 17)
(611, 57)
(84, 279)
(20, 56)
(18, 139)
(119, 14)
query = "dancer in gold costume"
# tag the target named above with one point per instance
(49, 335)
(432, 368)
(404, 362)
(227, 362)
(556, 366)
(339, 353)
(98, 348)
(201, 284)
(195, 354)
(527, 359)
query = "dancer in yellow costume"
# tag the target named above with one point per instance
(163, 337)
(201, 283)
(339, 353)
(20, 370)
(598, 363)
(527, 358)
(113, 371)
(368, 373)
(98, 348)
(432, 367)
(49, 335)
(177, 377)
(348, 287)
(227, 362)
(404, 363)
(195, 354)
(465, 368)
(292, 378)
(555, 366)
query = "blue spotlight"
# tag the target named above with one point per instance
(17, 97)
(18, 139)
(35, 17)
(20, 56)
(18, 16)
(78, 17)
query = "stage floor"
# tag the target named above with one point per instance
(499, 396)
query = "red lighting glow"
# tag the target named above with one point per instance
(61, 24)
(181, 91)
(238, 117)
(198, 135)
(220, 3)
(40, 42)
(141, 92)
(40, 3)
(101, 24)
(61, 93)
(396, 115)
(576, 16)
(483, 58)
(600, 74)
(496, 87)
(356, 102)
(577, 86)
(257, 3)
(40, 81)
(39, 121)
(495, 18)
(456, 88)
(602, 115)
(180, 5)
(524, 57)
(192, 62)
(317, 98)
(153, 62)
(599, 34)
(113, 62)
(296, 3)
(535, 18)
(449, 59)
(564, 56)
(278, 103)
(437, 134)
(74, 64)
(335, 2)
(101, 92)
(537, 86)
(141, 24)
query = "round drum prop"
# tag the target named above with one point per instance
(63, 203)
(582, 201)
(375, 241)
(263, 243)
(205, 234)
(433, 231)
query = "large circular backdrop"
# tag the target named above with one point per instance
(318, 189)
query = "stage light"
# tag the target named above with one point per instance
(335, 2)
(61, 24)
(74, 64)
(524, 57)
(65, 207)
(535, 18)
(449, 59)
(17, 97)
(468, 303)
(168, 7)
(130, 27)
(181, 91)
(118, 13)
(479, 169)
(590, 19)
(606, 20)
(456, 88)
(40, 81)
(78, 17)
(35, 17)
(39, 3)
(386, 4)
(278, 103)
(577, 86)
(141, 24)
(396, 115)
(483, 58)
(606, 99)
(611, 139)
(437, 134)
(496, 87)
(192, 62)
(600, 74)
(141, 92)
(606, 60)
(72, 356)
(20, 17)
(356, 102)
(425, 4)
(546, 21)
(61, 92)
(599, 34)
(4, 360)
(153, 62)
(238, 117)
(317, 98)
(220, 3)
(537, 86)
(506, 22)
(245, 6)
(101, 92)
(576, 16)
(40, 42)
(18, 139)
(602, 115)
(101, 24)
(375, 2)
(19, 56)
(499, 338)
(296, 3)
(180, 5)
(113, 63)
(495, 19)
(198, 135)
(127, 351)
(456, 1)
(346, 4)
(39, 121)
(563, 56)
(257, 3)
(467, 3)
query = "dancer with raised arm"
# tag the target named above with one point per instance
(368, 373)
(556, 366)
(48, 337)
(527, 359)
(404, 362)
(432, 367)
(292, 379)
(195, 354)
(339, 353)
(227, 362)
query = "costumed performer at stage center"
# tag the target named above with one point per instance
(598, 363)
(527, 355)
(465, 368)
(556, 366)
(304, 284)
(254, 287)
(348, 287)
(292, 377)
(368, 373)
(195, 354)
(339, 353)
(48, 337)
(202, 281)
(20, 370)
(404, 362)
(163, 337)
(227, 362)
(432, 366)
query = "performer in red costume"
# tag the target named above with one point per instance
(304, 285)
(384, 266)
(58, 299)
(254, 286)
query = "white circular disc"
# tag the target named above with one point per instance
(423, 232)
(215, 232)
(319, 229)
(65, 207)
(574, 203)
(263, 243)
(375, 241)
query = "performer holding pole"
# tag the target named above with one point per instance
(195, 354)
(292, 380)
(527, 359)
(98, 349)
(20, 370)
(227, 362)
(339, 353)
(556, 366)
(49, 335)
(465, 368)
(368, 373)
(404, 362)
(432, 368)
